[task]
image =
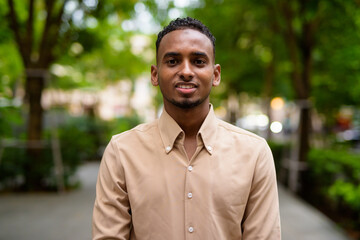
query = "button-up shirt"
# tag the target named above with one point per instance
(148, 188)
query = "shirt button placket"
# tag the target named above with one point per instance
(188, 204)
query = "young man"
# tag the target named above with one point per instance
(187, 175)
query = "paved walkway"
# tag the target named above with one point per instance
(68, 216)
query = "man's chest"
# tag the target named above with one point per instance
(217, 181)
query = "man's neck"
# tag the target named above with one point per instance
(190, 120)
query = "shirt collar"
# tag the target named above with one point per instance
(207, 131)
(170, 130)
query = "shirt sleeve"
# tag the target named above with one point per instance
(262, 217)
(111, 214)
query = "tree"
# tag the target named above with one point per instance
(44, 31)
(37, 53)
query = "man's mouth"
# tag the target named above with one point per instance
(183, 86)
(186, 88)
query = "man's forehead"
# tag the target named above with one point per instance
(188, 38)
(186, 34)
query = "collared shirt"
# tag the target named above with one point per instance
(148, 188)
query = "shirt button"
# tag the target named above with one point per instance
(191, 229)
(190, 168)
(209, 148)
(189, 195)
(168, 148)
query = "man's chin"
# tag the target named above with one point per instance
(186, 104)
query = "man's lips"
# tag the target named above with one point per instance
(186, 88)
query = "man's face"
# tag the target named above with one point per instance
(185, 69)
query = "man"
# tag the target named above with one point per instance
(187, 175)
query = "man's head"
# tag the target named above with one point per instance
(185, 23)
(185, 69)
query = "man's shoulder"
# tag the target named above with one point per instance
(240, 133)
(140, 130)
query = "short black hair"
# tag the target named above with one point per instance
(185, 23)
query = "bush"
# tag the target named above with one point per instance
(81, 139)
(335, 178)
(14, 169)
(342, 191)
(122, 124)
(10, 119)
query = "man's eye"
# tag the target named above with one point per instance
(199, 62)
(172, 61)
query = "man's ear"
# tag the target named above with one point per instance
(217, 75)
(154, 75)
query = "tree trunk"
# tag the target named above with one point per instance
(35, 86)
(304, 133)
(300, 48)
(33, 175)
(267, 91)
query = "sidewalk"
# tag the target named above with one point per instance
(68, 216)
(300, 221)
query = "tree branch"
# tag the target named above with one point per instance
(49, 5)
(13, 21)
(51, 34)
(292, 46)
(309, 28)
(30, 30)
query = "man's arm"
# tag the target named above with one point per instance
(111, 215)
(262, 217)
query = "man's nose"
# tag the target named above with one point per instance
(186, 72)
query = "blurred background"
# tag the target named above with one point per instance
(73, 73)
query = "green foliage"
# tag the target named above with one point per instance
(81, 139)
(10, 117)
(10, 68)
(121, 124)
(335, 164)
(346, 192)
(335, 176)
(101, 53)
(13, 167)
(78, 139)
(94, 49)
(336, 58)
(84, 138)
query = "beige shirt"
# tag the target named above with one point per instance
(148, 188)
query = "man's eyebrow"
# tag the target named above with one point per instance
(201, 54)
(175, 54)
(171, 54)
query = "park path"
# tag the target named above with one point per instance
(68, 216)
